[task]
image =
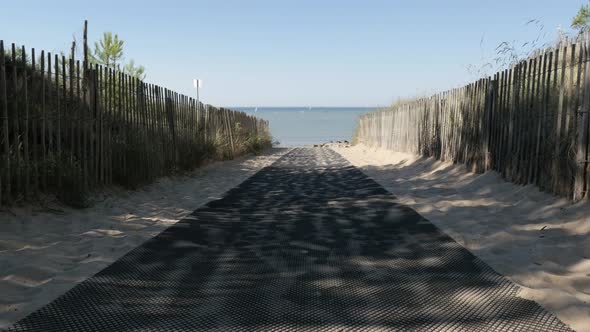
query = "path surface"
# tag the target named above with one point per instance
(308, 244)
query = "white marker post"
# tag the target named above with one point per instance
(197, 84)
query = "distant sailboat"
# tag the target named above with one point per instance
(255, 109)
(309, 108)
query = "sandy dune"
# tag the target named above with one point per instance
(45, 252)
(539, 241)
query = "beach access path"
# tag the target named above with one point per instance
(309, 243)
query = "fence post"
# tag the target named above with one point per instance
(489, 106)
(93, 124)
(582, 132)
(5, 174)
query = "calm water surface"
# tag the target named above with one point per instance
(295, 126)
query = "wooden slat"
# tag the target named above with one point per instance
(93, 125)
(114, 125)
(569, 120)
(17, 185)
(5, 176)
(34, 136)
(69, 102)
(44, 146)
(538, 116)
(86, 116)
(79, 109)
(155, 146)
(517, 119)
(580, 183)
(487, 95)
(66, 122)
(502, 122)
(525, 120)
(531, 115)
(543, 178)
(58, 121)
(99, 176)
(511, 110)
(25, 134)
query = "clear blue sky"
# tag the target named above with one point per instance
(294, 52)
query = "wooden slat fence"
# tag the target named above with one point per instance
(68, 128)
(529, 122)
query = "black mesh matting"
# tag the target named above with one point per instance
(308, 244)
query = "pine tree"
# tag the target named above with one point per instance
(580, 21)
(108, 52)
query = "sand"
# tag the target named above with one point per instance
(539, 241)
(45, 252)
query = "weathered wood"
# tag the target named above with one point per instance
(492, 104)
(34, 127)
(527, 109)
(570, 118)
(80, 130)
(70, 108)
(518, 120)
(66, 114)
(488, 96)
(115, 126)
(87, 117)
(580, 183)
(531, 115)
(44, 147)
(100, 124)
(538, 116)
(92, 125)
(542, 176)
(230, 133)
(501, 161)
(5, 176)
(17, 185)
(58, 121)
(511, 108)
(155, 109)
(160, 125)
(119, 157)
(85, 38)
(25, 134)
(125, 118)
(557, 154)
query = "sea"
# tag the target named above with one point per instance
(301, 126)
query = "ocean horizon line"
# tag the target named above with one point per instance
(305, 107)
